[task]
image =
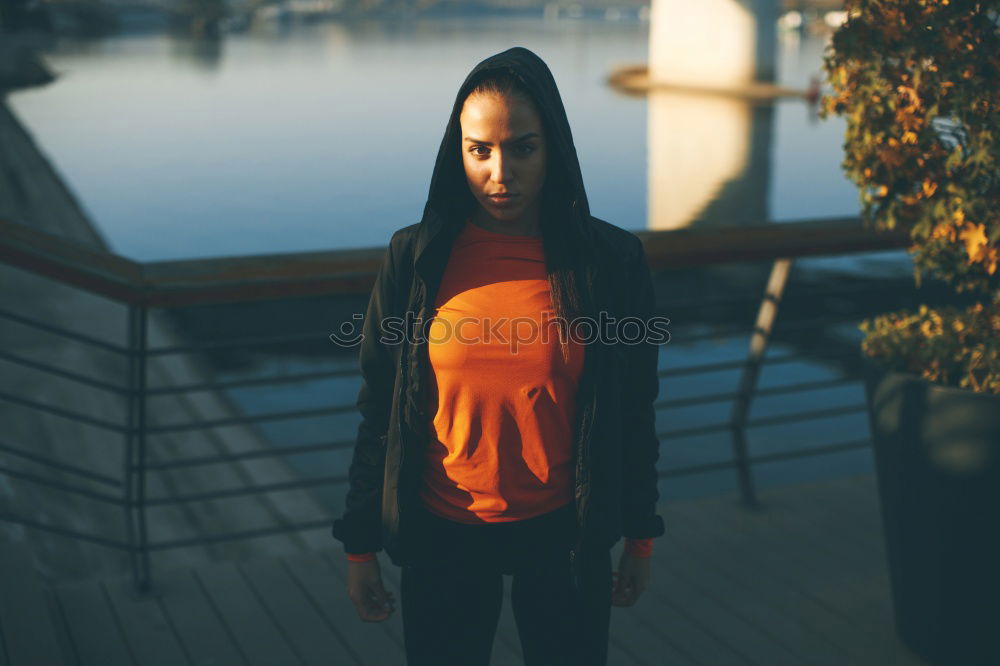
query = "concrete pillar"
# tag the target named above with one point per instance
(712, 43)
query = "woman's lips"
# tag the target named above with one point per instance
(502, 200)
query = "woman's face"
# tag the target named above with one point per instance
(503, 151)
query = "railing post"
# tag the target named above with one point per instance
(135, 450)
(766, 315)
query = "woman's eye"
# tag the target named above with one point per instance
(520, 150)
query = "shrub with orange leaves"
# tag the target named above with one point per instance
(918, 82)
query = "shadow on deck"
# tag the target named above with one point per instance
(800, 581)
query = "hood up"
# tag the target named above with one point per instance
(449, 199)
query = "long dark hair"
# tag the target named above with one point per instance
(569, 253)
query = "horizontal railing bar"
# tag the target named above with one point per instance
(774, 390)
(65, 374)
(702, 368)
(694, 430)
(806, 415)
(50, 462)
(695, 400)
(244, 534)
(792, 294)
(253, 418)
(810, 356)
(237, 343)
(806, 386)
(255, 381)
(58, 485)
(248, 455)
(59, 411)
(768, 457)
(767, 360)
(813, 451)
(62, 531)
(696, 469)
(66, 333)
(249, 490)
(698, 246)
(799, 324)
(749, 329)
(770, 420)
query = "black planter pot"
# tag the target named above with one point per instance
(937, 458)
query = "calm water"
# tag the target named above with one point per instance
(324, 135)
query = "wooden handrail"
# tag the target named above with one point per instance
(700, 246)
(352, 271)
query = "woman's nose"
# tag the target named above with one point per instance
(502, 172)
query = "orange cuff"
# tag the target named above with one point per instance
(639, 547)
(360, 557)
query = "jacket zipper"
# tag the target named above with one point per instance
(400, 417)
(404, 361)
(584, 458)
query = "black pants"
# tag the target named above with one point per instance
(452, 595)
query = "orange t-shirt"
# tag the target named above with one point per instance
(501, 395)
(501, 435)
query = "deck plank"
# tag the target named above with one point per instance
(802, 525)
(95, 633)
(28, 633)
(258, 637)
(201, 630)
(671, 623)
(382, 640)
(805, 544)
(633, 642)
(865, 574)
(716, 615)
(3, 649)
(818, 570)
(759, 573)
(372, 642)
(147, 629)
(311, 637)
(757, 605)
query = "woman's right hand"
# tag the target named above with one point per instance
(370, 598)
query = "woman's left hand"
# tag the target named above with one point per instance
(630, 580)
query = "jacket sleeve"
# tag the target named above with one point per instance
(360, 527)
(641, 446)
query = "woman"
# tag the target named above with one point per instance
(531, 451)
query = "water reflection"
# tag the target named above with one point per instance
(709, 143)
(714, 172)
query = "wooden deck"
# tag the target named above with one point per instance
(800, 582)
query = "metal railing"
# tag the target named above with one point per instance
(140, 287)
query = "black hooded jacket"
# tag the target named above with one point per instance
(616, 446)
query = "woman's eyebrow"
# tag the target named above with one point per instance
(520, 138)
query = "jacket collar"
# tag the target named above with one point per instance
(430, 227)
(433, 243)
